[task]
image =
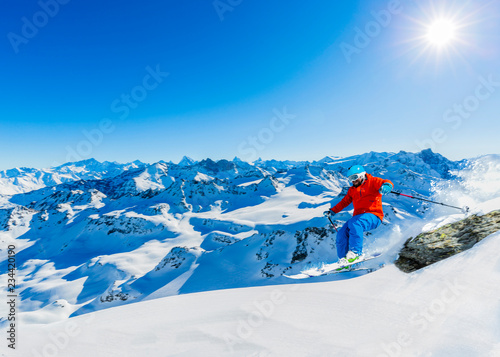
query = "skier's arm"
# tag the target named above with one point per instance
(385, 187)
(346, 201)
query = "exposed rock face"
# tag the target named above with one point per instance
(316, 235)
(430, 247)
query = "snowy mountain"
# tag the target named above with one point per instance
(449, 309)
(90, 235)
(20, 180)
(186, 161)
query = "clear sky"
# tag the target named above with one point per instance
(284, 79)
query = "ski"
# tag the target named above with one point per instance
(367, 270)
(333, 268)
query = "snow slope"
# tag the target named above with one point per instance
(448, 309)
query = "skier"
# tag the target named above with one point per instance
(366, 196)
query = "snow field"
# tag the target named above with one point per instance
(448, 309)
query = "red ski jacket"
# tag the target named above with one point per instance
(365, 198)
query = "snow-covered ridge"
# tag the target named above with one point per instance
(126, 233)
(20, 180)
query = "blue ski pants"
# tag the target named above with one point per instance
(350, 236)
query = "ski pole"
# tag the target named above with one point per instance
(333, 224)
(463, 209)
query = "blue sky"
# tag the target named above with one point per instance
(158, 80)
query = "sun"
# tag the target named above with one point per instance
(441, 32)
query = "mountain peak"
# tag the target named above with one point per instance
(186, 161)
(216, 166)
(82, 163)
(135, 162)
(437, 162)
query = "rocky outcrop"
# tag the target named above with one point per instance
(306, 238)
(430, 247)
(175, 258)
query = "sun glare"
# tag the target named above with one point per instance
(441, 32)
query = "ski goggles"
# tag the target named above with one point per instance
(354, 177)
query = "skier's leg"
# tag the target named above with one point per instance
(342, 241)
(357, 225)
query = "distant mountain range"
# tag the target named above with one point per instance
(20, 180)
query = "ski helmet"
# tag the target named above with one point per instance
(355, 172)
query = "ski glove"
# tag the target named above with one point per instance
(328, 213)
(385, 188)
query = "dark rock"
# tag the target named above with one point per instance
(267, 271)
(314, 234)
(174, 259)
(430, 247)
